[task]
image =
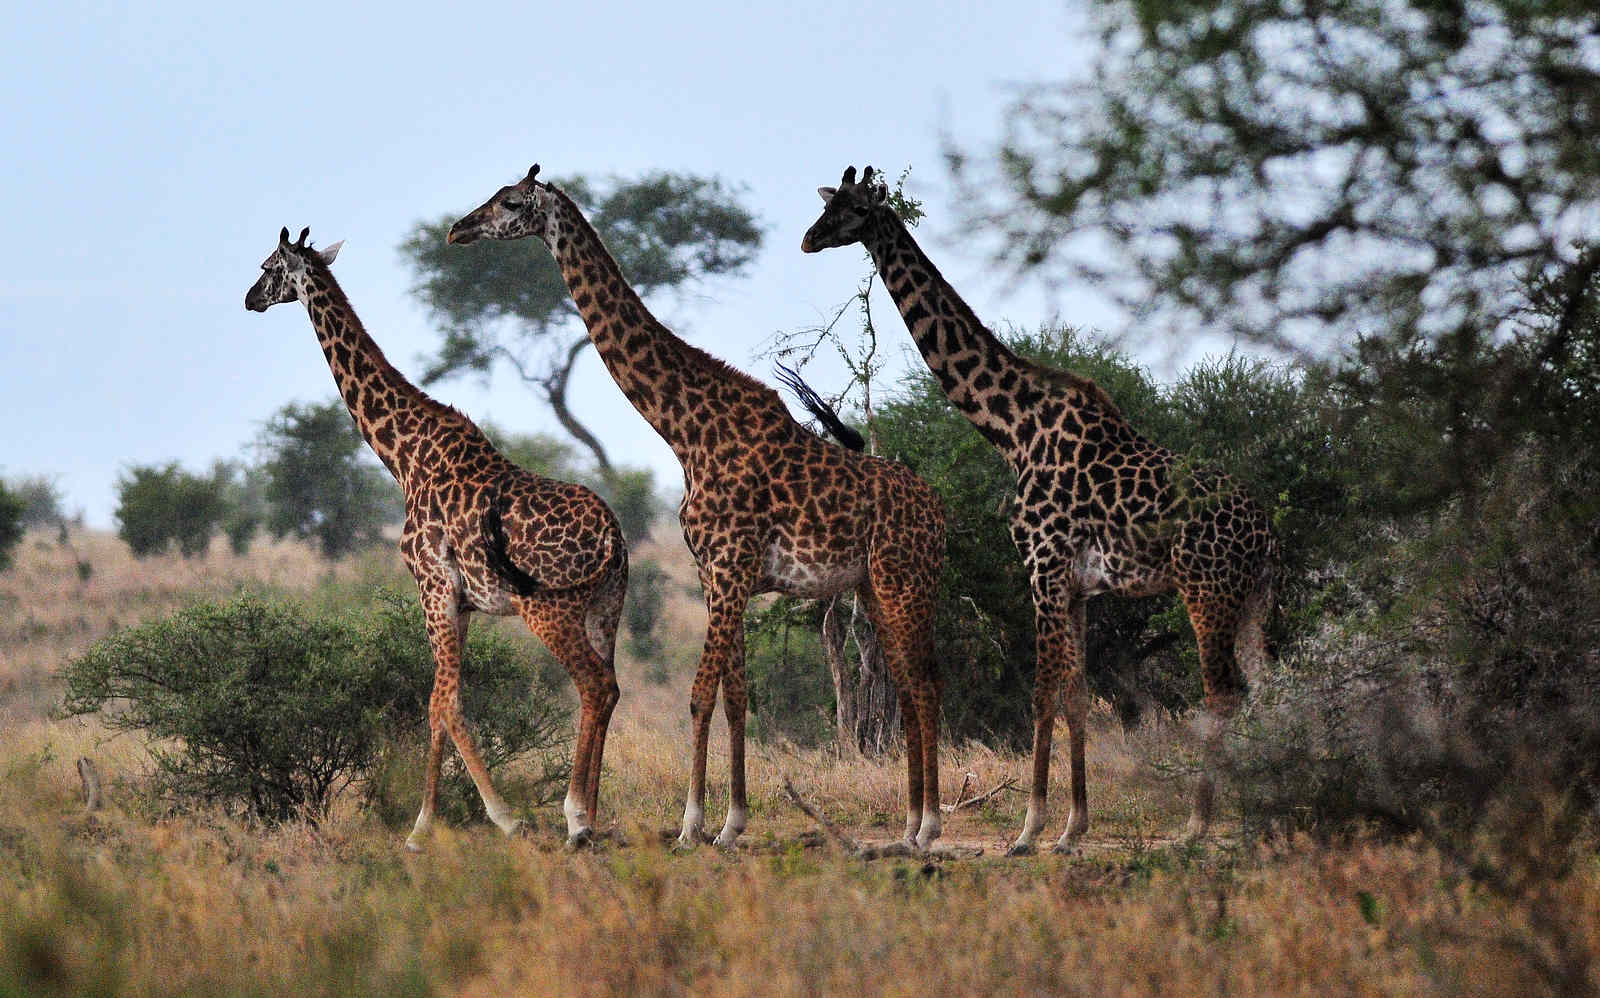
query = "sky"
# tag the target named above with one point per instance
(156, 149)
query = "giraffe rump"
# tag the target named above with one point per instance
(496, 554)
(819, 408)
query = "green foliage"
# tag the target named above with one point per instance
(319, 484)
(631, 494)
(260, 707)
(791, 687)
(12, 508)
(642, 615)
(244, 490)
(159, 506)
(41, 500)
(1378, 202)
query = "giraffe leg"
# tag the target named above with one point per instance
(562, 629)
(735, 702)
(610, 693)
(447, 627)
(437, 734)
(1059, 655)
(601, 624)
(1216, 626)
(1075, 700)
(725, 603)
(430, 781)
(902, 614)
(912, 726)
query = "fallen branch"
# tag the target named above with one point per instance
(860, 851)
(91, 783)
(834, 831)
(1009, 783)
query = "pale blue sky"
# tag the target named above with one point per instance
(155, 150)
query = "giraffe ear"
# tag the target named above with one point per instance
(827, 193)
(330, 252)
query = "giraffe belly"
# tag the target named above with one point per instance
(784, 571)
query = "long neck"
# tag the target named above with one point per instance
(666, 379)
(387, 408)
(995, 389)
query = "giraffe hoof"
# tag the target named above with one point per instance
(518, 829)
(1020, 849)
(413, 846)
(1066, 849)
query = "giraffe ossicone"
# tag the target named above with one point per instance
(768, 506)
(1099, 509)
(480, 534)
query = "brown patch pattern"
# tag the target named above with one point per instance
(562, 536)
(1099, 509)
(767, 505)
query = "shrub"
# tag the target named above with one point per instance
(41, 500)
(642, 613)
(259, 707)
(320, 482)
(1469, 678)
(11, 527)
(159, 506)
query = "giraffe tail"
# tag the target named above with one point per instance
(820, 409)
(495, 551)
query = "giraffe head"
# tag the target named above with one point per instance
(516, 210)
(846, 209)
(283, 274)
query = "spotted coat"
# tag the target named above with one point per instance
(767, 506)
(480, 534)
(1098, 508)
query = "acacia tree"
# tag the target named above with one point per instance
(1385, 176)
(320, 482)
(500, 301)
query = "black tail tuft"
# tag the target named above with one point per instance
(817, 407)
(494, 549)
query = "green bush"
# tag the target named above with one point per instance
(642, 613)
(11, 528)
(260, 707)
(321, 483)
(159, 506)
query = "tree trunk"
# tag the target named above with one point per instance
(555, 392)
(867, 707)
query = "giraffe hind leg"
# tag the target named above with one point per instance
(1217, 625)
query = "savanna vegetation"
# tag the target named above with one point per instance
(1384, 202)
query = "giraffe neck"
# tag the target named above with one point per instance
(996, 390)
(387, 408)
(665, 378)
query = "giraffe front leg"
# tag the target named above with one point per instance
(447, 627)
(914, 769)
(735, 701)
(1076, 696)
(702, 701)
(430, 781)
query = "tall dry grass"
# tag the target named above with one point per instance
(127, 902)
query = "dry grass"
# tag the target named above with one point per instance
(120, 902)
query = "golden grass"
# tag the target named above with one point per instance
(121, 902)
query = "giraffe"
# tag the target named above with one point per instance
(480, 534)
(1098, 509)
(767, 505)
